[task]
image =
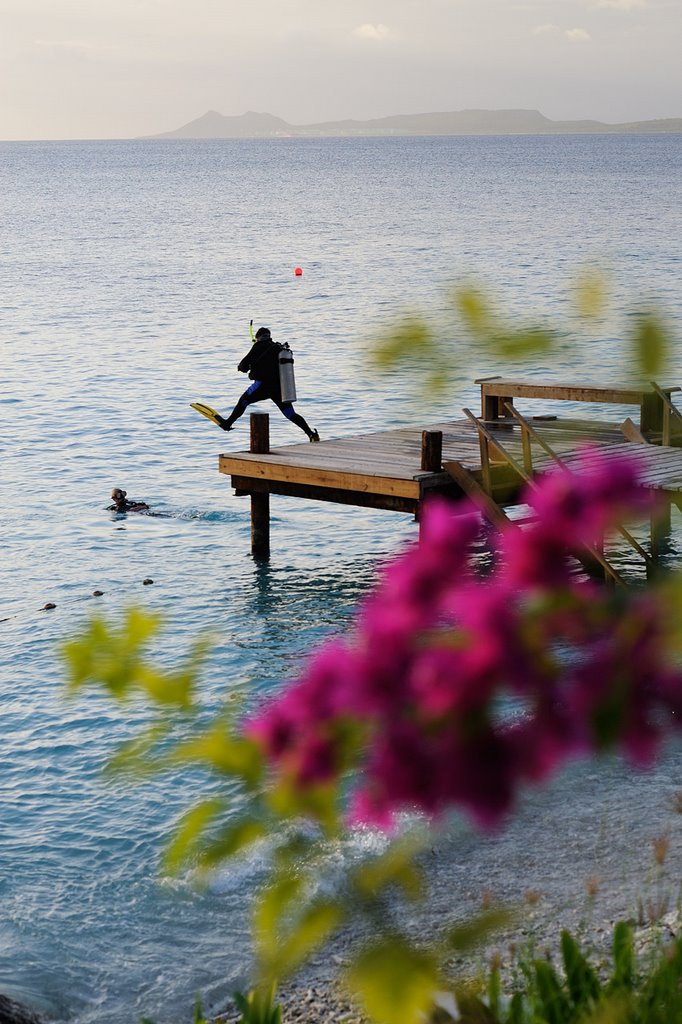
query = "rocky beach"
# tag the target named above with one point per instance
(595, 876)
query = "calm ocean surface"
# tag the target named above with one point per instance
(129, 272)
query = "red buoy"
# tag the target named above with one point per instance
(298, 272)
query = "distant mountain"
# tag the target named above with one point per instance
(251, 125)
(213, 125)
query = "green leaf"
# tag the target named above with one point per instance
(554, 1003)
(241, 1002)
(269, 913)
(591, 294)
(198, 1015)
(623, 956)
(307, 933)
(230, 841)
(670, 602)
(516, 1010)
(475, 309)
(473, 1011)
(114, 659)
(107, 656)
(395, 982)
(465, 936)
(393, 867)
(319, 803)
(174, 688)
(651, 343)
(529, 341)
(410, 339)
(495, 991)
(224, 751)
(136, 757)
(189, 832)
(259, 1006)
(582, 981)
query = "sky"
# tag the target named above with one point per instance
(79, 69)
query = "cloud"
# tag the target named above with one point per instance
(623, 5)
(80, 45)
(373, 32)
(575, 35)
(578, 35)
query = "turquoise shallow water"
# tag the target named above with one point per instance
(129, 272)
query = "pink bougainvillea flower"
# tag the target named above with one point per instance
(466, 687)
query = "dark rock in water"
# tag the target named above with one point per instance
(15, 1013)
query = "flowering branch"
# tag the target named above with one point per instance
(454, 691)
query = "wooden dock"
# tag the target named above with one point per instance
(488, 458)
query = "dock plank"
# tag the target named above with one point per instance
(388, 463)
(323, 476)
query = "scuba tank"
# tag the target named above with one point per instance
(286, 374)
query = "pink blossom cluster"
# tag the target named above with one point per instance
(456, 689)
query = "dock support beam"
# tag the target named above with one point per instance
(431, 462)
(660, 529)
(260, 503)
(432, 451)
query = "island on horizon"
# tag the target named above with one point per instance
(252, 125)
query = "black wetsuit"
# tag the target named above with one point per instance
(128, 506)
(261, 363)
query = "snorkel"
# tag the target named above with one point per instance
(251, 331)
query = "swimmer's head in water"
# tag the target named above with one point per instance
(117, 494)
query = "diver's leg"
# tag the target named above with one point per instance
(250, 395)
(287, 409)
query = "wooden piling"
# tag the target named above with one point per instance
(660, 528)
(260, 502)
(431, 461)
(432, 451)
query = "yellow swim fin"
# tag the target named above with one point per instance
(208, 412)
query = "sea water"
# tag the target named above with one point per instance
(129, 272)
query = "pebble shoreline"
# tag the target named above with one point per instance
(640, 884)
(322, 1000)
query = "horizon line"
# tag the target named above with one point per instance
(162, 136)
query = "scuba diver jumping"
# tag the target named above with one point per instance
(270, 367)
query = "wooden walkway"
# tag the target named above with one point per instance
(381, 470)
(385, 468)
(398, 469)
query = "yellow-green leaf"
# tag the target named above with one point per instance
(395, 982)
(465, 936)
(219, 749)
(271, 908)
(108, 656)
(670, 590)
(137, 757)
(410, 339)
(189, 832)
(529, 341)
(231, 840)
(319, 803)
(591, 294)
(650, 342)
(475, 309)
(393, 867)
(306, 933)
